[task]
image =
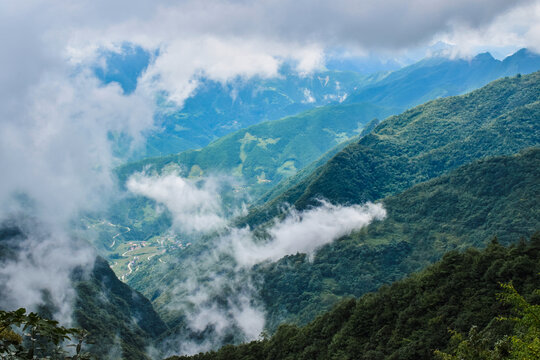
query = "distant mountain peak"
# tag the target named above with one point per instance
(485, 56)
(522, 53)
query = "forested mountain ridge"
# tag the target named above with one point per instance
(422, 143)
(410, 319)
(496, 196)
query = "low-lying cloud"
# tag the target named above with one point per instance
(193, 208)
(303, 232)
(40, 272)
(215, 292)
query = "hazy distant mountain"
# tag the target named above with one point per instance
(217, 109)
(440, 76)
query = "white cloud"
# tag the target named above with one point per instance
(55, 121)
(514, 29)
(225, 39)
(303, 232)
(40, 272)
(223, 266)
(194, 208)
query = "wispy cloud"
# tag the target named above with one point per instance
(215, 292)
(194, 208)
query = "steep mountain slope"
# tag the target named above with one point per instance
(498, 196)
(121, 322)
(410, 319)
(440, 77)
(422, 143)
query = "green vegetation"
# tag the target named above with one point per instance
(43, 338)
(465, 208)
(410, 319)
(423, 143)
(524, 344)
(262, 155)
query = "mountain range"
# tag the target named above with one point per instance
(450, 148)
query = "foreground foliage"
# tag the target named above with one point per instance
(30, 336)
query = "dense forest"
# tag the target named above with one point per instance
(468, 206)
(413, 318)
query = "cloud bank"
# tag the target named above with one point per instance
(223, 39)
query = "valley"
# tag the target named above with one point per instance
(286, 211)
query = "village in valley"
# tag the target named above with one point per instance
(126, 257)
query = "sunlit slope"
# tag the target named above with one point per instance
(422, 143)
(262, 155)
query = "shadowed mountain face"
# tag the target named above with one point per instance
(119, 319)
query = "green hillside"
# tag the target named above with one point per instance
(410, 319)
(437, 76)
(264, 154)
(422, 143)
(497, 196)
